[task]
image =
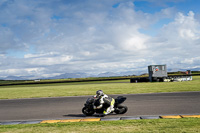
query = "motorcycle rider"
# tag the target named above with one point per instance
(103, 100)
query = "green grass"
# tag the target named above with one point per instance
(46, 81)
(89, 88)
(189, 125)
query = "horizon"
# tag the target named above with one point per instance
(86, 75)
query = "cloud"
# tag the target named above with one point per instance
(67, 36)
(178, 41)
(184, 27)
(47, 59)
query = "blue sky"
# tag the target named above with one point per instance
(40, 38)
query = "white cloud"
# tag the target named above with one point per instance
(178, 41)
(92, 37)
(183, 28)
(47, 59)
(192, 60)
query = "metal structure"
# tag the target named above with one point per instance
(157, 72)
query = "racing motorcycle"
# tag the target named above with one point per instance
(89, 110)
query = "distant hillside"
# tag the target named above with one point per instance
(86, 75)
(69, 75)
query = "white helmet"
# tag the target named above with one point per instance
(99, 93)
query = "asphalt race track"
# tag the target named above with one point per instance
(179, 103)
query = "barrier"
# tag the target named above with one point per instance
(101, 119)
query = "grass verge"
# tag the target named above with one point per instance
(188, 125)
(89, 88)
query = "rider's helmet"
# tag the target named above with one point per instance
(99, 93)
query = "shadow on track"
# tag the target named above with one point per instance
(74, 115)
(84, 116)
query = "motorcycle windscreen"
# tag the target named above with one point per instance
(90, 100)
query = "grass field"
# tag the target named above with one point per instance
(188, 125)
(184, 125)
(89, 88)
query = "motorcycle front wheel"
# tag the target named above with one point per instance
(120, 109)
(87, 111)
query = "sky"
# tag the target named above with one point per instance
(40, 38)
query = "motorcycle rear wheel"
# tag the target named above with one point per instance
(87, 112)
(120, 109)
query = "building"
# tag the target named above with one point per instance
(157, 72)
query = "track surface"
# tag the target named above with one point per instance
(70, 107)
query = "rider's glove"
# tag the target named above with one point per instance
(100, 106)
(94, 107)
